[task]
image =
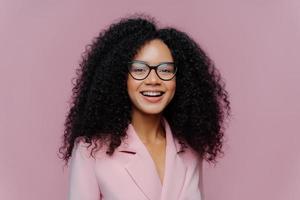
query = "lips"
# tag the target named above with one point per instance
(152, 93)
(152, 96)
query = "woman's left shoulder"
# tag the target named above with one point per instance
(189, 155)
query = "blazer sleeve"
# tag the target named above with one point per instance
(82, 178)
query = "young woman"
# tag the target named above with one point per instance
(148, 107)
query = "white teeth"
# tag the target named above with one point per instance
(152, 93)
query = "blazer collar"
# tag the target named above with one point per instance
(141, 167)
(132, 143)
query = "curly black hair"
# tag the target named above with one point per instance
(100, 109)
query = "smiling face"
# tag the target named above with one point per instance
(151, 95)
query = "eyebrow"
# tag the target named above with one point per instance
(149, 64)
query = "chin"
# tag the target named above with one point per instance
(150, 111)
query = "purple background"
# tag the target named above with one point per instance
(254, 43)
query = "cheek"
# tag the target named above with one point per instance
(172, 88)
(129, 84)
(132, 85)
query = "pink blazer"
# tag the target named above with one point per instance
(130, 173)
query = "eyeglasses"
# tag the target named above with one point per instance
(140, 70)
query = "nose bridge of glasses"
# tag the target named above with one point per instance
(153, 75)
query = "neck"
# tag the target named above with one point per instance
(148, 127)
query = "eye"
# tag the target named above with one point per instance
(138, 68)
(166, 68)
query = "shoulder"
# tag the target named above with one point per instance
(188, 154)
(85, 150)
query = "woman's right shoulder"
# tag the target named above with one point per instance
(84, 148)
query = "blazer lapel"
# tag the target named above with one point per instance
(140, 166)
(175, 169)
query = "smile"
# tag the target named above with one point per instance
(152, 93)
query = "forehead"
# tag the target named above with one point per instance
(154, 52)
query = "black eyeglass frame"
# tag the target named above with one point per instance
(152, 67)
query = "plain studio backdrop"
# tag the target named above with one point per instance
(254, 43)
